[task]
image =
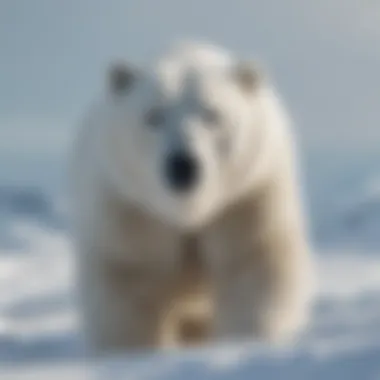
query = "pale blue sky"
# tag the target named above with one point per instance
(325, 55)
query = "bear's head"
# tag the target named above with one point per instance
(182, 135)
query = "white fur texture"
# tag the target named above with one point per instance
(246, 209)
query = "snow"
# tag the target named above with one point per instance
(355, 217)
(40, 331)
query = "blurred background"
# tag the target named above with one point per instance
(325, 58)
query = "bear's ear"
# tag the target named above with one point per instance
(249, 75)
(121, 77)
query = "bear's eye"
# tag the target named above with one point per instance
(154, 117)
(211, 116)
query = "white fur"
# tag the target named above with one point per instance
(118, 186)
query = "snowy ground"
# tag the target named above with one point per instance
(39, 332)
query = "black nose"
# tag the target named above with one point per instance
(181, 171)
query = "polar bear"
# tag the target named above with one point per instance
(187, 212)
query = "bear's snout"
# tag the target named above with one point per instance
(181, 171)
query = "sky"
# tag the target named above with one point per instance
(324, 55)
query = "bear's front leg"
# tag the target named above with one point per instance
(262, 268)
(122, 306)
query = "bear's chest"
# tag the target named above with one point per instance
(192, 265)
